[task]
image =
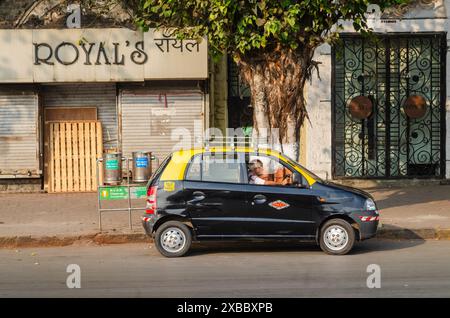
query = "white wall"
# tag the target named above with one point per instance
(318, 132)
(447, 103)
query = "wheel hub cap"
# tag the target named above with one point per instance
(173, 240)
(335, 237)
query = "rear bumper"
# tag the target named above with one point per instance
(148, 224)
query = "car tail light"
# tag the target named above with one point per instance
(151, 200)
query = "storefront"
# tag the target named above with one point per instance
(66, 96)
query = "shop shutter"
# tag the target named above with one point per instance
(149, 118)
(19, 152)
(102, 96)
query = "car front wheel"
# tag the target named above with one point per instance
(173, 239)
(337, 237)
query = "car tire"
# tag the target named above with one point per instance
(337, 237)
(173, 239)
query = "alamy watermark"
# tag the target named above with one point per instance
(74, 278)
(374, 278)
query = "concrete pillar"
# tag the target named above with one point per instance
(318, 131)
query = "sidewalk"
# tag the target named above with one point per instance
(414, 207)
(62, 219)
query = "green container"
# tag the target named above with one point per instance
(112, 168)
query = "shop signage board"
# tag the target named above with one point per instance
(121, 193)
(98, 55)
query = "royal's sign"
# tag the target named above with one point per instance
(90, 55)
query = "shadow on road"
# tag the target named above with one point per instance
(374, 245)
(382, 245)
(251, 247)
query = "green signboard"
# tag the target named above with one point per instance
(121, 193)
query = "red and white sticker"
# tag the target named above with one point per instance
(145, 219)
(369, 218)
(278, 204)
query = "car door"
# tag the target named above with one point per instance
(280, 210)
(214, 195)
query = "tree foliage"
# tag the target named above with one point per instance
(272, 41)
(251, 27)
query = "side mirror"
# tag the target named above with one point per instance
(298, 180)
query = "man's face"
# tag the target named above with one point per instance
(256, 168)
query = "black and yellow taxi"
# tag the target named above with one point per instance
(251, 194)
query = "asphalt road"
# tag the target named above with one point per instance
(408, 268)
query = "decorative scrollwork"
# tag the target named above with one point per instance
(398, 11)
(401, 136)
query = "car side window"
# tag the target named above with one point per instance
(265, 170)
(194, 172)
(215, 167)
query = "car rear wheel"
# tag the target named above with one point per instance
(337, 237)
(173, 239)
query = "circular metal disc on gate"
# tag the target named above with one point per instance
(360, 107)
(415, 106)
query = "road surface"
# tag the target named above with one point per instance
(408, 268)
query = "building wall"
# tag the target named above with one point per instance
(447, 102)
(433, 18)
(32, 14)
(318, 129)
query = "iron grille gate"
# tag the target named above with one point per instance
(388, 143)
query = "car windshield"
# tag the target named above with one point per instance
(294, 163)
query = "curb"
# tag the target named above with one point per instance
(108, 238)
(414, 234)
(62, 240)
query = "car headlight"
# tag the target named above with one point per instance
(370, 205)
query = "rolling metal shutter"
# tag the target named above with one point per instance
(19, 152)
(102, 96)
(150, 118)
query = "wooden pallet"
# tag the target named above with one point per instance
(74, 149)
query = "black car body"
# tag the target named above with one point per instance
(210, 193)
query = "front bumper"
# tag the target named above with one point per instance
(368, 229)
(368, 224)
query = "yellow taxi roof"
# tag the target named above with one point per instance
(180, 158)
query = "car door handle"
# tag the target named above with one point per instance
(259, 199)
(198, 196)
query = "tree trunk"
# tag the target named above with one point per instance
(261, 131)
(277, 80)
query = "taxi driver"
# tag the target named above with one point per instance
(256, 173)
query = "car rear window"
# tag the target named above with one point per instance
(159, 170)
(214, 168)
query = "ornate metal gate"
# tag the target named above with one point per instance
(388, 118)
